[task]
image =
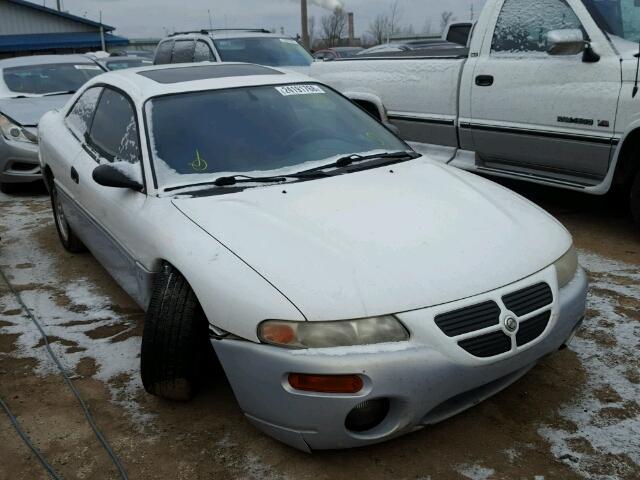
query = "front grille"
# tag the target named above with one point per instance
(529, 299)
(487, 345)
(469, 319)
(532, 328)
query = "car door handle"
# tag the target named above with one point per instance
(74, 175)
(484, 80)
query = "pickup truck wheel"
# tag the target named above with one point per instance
(69, 240)
(635, 199)
(175, 341)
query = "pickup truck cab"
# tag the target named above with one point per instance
(546, 92)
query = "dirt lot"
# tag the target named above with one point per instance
(576, 415)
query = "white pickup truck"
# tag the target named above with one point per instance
(546, 92)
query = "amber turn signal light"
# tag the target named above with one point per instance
(326, 383)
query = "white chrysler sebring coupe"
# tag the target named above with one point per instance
(352, 290)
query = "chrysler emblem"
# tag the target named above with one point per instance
(511, 324)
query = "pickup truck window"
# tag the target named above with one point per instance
(523, 25)
(617, 17)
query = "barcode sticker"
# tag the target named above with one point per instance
(299, 90)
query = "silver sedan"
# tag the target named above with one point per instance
(30, 87)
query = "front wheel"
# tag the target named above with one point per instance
(175, 340)
(635, 199)
(68, 238)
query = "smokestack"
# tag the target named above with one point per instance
(305, 24)
(352, 33)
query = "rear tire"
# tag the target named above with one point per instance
(635, 199)
(68, 238)
(175, 341)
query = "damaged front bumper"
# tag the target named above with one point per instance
(422, 381)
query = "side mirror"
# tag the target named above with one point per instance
(110, 175)
(565, 42)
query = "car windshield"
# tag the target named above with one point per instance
(266, 130)
(617, 17)
(273, 52)
(49, 78)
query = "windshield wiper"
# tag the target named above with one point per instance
(349, 160)
(64, 92)
(238, 179)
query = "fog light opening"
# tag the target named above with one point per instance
(367, 415)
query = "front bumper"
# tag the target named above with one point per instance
(427, 379)
(18, 162)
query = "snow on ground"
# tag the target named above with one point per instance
(607, 416)
(475, 472)
(79, 322)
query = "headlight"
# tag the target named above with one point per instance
(366, 331)
(14, 132)
(566, 267)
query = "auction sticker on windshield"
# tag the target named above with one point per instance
(87, 67)
(299, 90)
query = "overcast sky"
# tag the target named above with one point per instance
(145, 18)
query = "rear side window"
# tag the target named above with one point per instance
(203, 53)
(114, 131)
(183, 51)
(79, 118)
(163, 54)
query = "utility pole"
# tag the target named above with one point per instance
(472, 12)
(305, 24)
(59, 7)
(210, 20)
(104, 47)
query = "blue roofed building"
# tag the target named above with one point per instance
(28, 28)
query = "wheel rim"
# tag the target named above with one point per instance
(61, 220)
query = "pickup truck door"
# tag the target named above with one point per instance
(533, 113)
(113, 224)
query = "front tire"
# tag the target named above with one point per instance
(175, 341)
(635, 199)
(68, 238)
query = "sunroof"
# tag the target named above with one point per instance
(203, 72)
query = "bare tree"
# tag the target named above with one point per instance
(379, 28)
(334, 25)
(395, 17)
(446, 18)
(313, 33)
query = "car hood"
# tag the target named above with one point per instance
(29, 111)
(382, 241)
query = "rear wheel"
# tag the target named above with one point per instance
(635, 199)
(68, 238)
(175, 341)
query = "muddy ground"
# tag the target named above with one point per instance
(576, 415)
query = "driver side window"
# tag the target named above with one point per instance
(78, 120)
(523, 25)
(114, 131)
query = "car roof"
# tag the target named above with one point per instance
(43, 59)
(146, 82)
(226, 34)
